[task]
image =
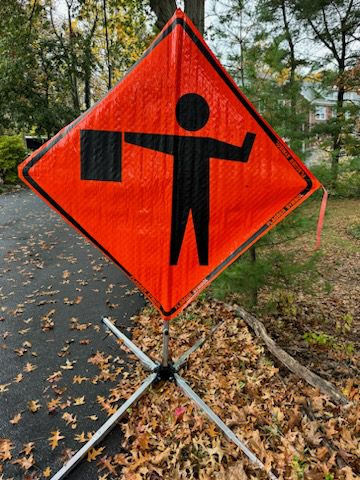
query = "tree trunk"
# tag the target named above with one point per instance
(293, 65)
(241, 45)
(87, 79)
(72, 66)
(89, 62)
(164, 10)
(107, 47)
(337, 142)
(254, 289)
(196, 11)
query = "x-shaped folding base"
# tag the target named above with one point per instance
(163, 371)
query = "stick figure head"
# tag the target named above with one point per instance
(192, 111)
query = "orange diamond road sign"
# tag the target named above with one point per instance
(173, 175)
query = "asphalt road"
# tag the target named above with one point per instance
(48, 271)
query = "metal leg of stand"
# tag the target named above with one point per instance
(212, 415)
(180, 361)
(104, 430)
(165, 357)
(144, 359)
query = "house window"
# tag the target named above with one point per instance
(320, 113)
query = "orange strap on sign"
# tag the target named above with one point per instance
(321, 217)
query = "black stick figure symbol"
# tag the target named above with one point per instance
(101, 160)
(191, 179)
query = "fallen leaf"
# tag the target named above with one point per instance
(54, 377)
(143, 441)
(5, 449)
(23, 331)
(212, 430)
(47, 321)
(68, 365)
(33, 405)
(94, 453)
(29, 367)
(69, 419)
(19, 378)
(92, 417)
(105, 463)
(28, 448)
(25, 462)
(47, 472)
(78, 379)
(179, 413)
(98, 358)
(156, 459)
(54, 440)
(53, 404)
(76, 301)
(16, 419)
(66, 274)
(20, 352)
(80, 437)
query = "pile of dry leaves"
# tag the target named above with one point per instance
(297, 432)
(293, 429)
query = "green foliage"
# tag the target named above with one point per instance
(324, 340)
(12, 152)
(354, 231)
(334, 25)
(299, 467)
(265, 63)
(52, 61)
(130, 36)
(276, 97)
(344, 324)
(348, 348)
(283, 303)
(241, 385)
(318, 338)
(271, 265)
(32, 88)
(348, 181)
(244, 277)
(265, 38)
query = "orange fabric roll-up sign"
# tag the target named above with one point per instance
(173, 175)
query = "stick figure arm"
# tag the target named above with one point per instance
(226, 151)
(158, 142)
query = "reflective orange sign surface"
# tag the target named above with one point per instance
(173, 175)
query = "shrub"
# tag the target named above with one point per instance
(276, 269)
(269, 264)
(354, 231)
(348, 185)
(12, 152)
(348, 181)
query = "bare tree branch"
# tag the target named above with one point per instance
(290, 362)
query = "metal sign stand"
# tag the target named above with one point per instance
(168, 371)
